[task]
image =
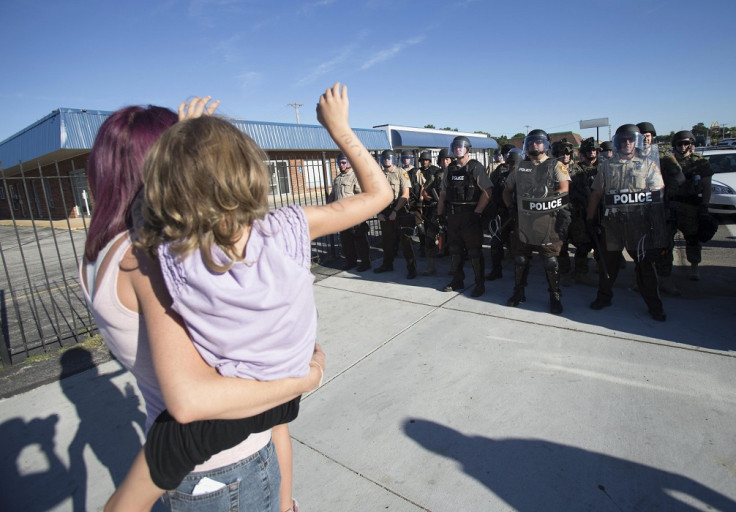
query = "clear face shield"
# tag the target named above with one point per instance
(459, 148)
(388, 160)
(407, 160)
(626, 144)
(535, 145)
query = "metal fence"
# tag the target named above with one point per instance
(42, 307)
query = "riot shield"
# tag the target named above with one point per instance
(634, 213)
(537, 203)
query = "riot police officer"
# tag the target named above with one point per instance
(499, 220)
(464, 195)
(354, 240)
(630, 186)
(431, 197)
(690, 202)
(395, 217)
(541, 188)
(563, 150)
(581, 179)
(672, 177)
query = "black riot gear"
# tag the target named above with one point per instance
(589, 144)
(444, 153)
(461, 186)
(425, 155)
(460, 141)
(536, 136)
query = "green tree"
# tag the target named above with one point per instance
(484, 133)
(429, 126)
(518, 135)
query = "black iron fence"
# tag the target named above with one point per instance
(42, 307)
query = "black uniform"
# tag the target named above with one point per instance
(464, 186)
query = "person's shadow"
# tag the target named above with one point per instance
(533, 474)
(107, 420)
(26, 482)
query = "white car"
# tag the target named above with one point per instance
(723, 183)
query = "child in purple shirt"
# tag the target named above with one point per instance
(239, 275)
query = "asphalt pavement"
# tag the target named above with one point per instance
(437, 401)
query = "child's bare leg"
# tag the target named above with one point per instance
(282, 443)
(137, 492)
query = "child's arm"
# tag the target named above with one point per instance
(332, 113)
(282, 444)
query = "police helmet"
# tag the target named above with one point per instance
(390, 155)
(460, 142)
(561, 147)
(342, 158)
(627, 132)
(707, 227)
(684, 135)
(536, 136)
(646, 127)
(606, 145)
(506, 148)
(444, 153)
(514, 158)
(589, 144)
(425, 155)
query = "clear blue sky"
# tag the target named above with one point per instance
(464, 64)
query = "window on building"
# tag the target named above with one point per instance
(80, 192)
(279, 170)
(49, 195)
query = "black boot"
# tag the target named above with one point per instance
(480, 285)
(458, 276)
(496, 259)
(520, 274)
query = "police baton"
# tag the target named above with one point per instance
(595, 232)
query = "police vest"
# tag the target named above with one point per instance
(538, 202)
(461, 184)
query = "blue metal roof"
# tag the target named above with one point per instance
(76, 129)
(287, 136)
(62, 129)
(410, 138)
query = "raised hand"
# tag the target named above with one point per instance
(197, 107)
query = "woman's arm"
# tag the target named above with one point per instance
(332, 113)
(192, 390)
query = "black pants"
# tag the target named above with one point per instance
(391, 233)
(173, 449)
(465, 233)
(646, 277)
(355, 245)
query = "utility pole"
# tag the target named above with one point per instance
(296, 107)
(527, 128)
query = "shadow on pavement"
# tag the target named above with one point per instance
(533, 474)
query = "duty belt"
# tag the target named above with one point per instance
(455, 208)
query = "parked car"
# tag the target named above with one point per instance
(723, 183)
(727, 142)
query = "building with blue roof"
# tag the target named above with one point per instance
(43, 166)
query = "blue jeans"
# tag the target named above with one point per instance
(252, 484)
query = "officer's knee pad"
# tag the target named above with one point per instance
(521, 260)
(551, 263)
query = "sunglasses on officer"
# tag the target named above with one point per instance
(683, 143)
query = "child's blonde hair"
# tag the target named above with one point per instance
(205, 181)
